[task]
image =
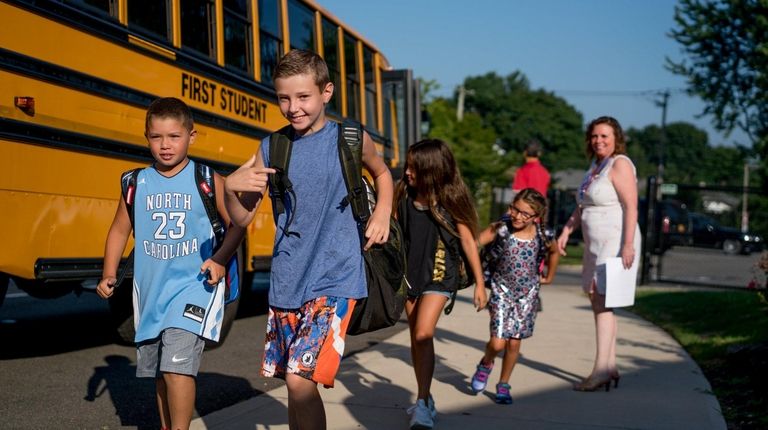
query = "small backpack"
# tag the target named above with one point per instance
(490, 253)
(207, 188)
(384, 263)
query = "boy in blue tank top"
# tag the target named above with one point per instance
(176, 306)
(317, 263)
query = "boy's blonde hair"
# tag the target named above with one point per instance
(169, 107)
(303, 62)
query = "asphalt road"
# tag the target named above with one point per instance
(710, 267)
(73, 375)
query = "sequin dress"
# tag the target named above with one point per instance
(515, 285)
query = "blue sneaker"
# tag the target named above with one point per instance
(480, 378)
(431, 406)
(502, 394)
(421, 416)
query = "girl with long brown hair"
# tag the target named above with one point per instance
(439, 222)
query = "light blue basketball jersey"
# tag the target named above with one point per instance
(173, 238)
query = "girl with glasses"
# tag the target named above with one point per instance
(516, 248)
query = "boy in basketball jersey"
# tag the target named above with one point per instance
(178, 279)
(317, 264)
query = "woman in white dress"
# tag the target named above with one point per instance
(607, 215)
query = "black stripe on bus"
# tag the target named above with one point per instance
(28, 66)
(61, 139)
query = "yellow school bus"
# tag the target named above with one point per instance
(76, 77)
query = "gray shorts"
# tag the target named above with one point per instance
(174, 351)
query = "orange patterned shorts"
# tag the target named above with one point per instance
(308, 341)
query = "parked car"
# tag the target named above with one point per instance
(707, 232)
(672, 223)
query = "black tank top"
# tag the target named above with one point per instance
(430, 264)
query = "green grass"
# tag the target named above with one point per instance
(575, 252)
(726, 333)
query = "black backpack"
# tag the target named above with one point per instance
(385, 263)
(206, 186)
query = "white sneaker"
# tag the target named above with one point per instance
(421, 416)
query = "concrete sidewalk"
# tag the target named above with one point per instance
(661, 387)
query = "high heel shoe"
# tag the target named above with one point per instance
(615, 378)
(593, 384)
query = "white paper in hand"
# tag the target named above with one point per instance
(620, 283)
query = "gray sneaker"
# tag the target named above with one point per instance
(421, 416)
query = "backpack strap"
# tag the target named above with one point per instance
(280, 145)
(128, 193)
(206, 185)
(350, 143)
(128, 189)
(543, 248)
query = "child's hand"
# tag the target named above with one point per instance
(215, 271)
(249, 178)
(377, 230)
(106, 287)
(481, 298)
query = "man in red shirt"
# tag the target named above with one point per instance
(532, 174)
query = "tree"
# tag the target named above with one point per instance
(474, 146)
(684, 143)
(517, 114)
(726, 42)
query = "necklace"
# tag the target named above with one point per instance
(590, 177)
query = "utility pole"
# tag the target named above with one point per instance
(663, 138)
(745, 199)
(656, 205)
(463, 93)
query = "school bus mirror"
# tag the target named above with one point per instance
(25, 104)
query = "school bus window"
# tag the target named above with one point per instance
(269, 37)
(237, 35)
(353, 82)
(301, 26)
(150, 17)
(100, 7)
(197, 18)
(370, 89)
(331, 53)
(388, 106)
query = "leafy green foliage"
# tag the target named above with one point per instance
(726, 42)
(518, 114)
(472, 144)
(683, 144)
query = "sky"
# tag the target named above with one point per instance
(604, 57)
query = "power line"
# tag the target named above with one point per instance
(619, 93)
